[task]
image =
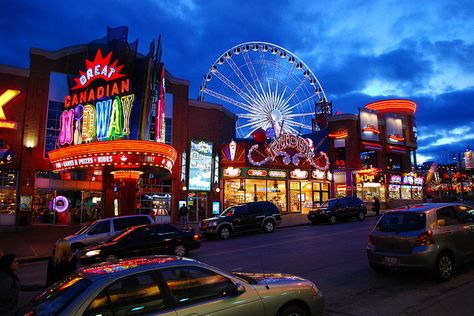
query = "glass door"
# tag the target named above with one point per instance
(197, 209)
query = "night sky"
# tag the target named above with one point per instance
(360, 51)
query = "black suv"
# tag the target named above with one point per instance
(248, 216)
(336, 209)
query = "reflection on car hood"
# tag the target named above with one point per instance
(212, 219)
(100, 245)
(320, 209)
(268, 278)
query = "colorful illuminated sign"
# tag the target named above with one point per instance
(298, 174)
(5, 98)
(60, 204)
(277, 174)
(257, 173)
(119, 153)
(98, 111)
(200, 166)
(231, 172)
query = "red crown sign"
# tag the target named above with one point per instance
(99, 68)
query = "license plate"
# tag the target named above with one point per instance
(391, 261)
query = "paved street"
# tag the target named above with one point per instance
(333, 257)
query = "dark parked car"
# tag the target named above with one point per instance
(334, 210)
(143, 240)
(434, 237)
(249, 216)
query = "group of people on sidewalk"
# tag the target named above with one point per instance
(60, 265)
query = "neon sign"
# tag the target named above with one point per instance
(257, 173)
(278, 147)
(107, 119)
(298, 174)
(99, 68)
(231, 172)
(5, 98)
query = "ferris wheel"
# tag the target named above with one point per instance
(267, 87)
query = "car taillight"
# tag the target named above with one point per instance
(425, 239)
(195, 237)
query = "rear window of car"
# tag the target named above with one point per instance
(401, 222)
(56, 297)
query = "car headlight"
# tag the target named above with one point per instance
(212, 224)
(92, 253)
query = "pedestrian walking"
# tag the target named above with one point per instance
(10, 285)
(62, 263)
(183, 214)
(376, 208)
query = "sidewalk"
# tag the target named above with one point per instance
(36, 242)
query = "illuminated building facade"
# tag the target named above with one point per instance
(291, 171)
(373, 153)
(100, 130)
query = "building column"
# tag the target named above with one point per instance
(127, 180)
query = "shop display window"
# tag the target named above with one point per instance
(8, 197)
(394, 191)
(417, 192)
(368, 159)
(295, 197)
(367, 191)
(306, 197)
(276, 193)
(82, 207)
(255, 190)
(405, 192)
(234, 192)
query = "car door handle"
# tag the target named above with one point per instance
(261, 216)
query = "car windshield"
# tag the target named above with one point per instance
(83, 229)
(228, 212)
(401, 222)
(53, 300)
(329, 203)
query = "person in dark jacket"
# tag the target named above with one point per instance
(377, 207)
(62, 263)
(9, 285)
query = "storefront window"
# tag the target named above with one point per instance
(417, 192)
(234, 192)
(367, 191)
(295, 197)
(306, 196)
(276, 193)
(255, 190)
(75, 207)
(7, 197)
(368, 159)
(406, 192)
(394, 191)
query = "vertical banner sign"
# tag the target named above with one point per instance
(160, 110)
(200, 166)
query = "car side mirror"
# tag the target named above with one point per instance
(441, 222)
(239, 288)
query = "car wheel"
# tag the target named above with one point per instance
(180, 251)
(293, 310)
(332, 219)
(111, 258)
(380, 269)
(224, 232)
(444, 267)
(360, 216)
(269, 227)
